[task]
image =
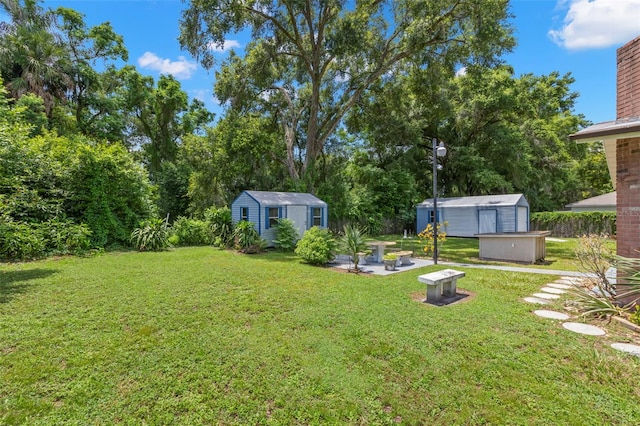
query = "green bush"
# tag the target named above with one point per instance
(573, 225)
(247, 239)
(221, 224)
(19, 241)
(66, 237)
(108, 190)
(286, 235)
(191, 232)
(151, 236)
(316, 246)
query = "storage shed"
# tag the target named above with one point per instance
(264, 208)
(468, 216)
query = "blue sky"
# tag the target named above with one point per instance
(576, 36)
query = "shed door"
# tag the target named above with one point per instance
(298, 214)
(487, 221)
(523, 221)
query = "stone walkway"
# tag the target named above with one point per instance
(554, 291)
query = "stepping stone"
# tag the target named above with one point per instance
(578, 327)
(568, 282)
(546, 296)
(627, 347)
(560, 286)
(535, 300)
(553, 290)
(551, 314)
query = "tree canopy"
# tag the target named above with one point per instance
(310, 62)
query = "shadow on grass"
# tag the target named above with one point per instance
(18, 282)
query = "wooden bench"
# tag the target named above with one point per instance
(440, 284)
(404, 256)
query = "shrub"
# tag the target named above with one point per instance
(317, 246)
(221, 225)
(246, 238)
(19, 241)
(151, 236)
(571, 224)
(66, 237)
(426, 237)
(191, 232)
(286, 235)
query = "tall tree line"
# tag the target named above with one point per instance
(338, 98)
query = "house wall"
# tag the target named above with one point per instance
(628, 188)
(628, 151)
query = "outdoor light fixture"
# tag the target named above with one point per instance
(439, 150)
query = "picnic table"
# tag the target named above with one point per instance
(380, 245)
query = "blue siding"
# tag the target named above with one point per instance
(244, 200)
(259, 212)
(423, 218)
(463, 220)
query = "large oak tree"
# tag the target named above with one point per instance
(312, 60)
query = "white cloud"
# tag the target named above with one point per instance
(180, 69)
(227, 45)
(597, 23)
(461, 72)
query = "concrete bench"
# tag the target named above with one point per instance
(441, 284)
(404, 256)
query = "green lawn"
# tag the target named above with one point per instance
(201, 336)
(560, 254)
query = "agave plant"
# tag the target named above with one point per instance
(628, 280)
(606, 297)
(352, 242)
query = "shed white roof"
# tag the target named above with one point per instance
(608, 200)
(480, 200)
(286, 198)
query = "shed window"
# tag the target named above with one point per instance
(317, 216)
(244, 213)
(273, 216)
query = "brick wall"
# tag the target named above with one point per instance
(628, 151)
(628, 80)
(628, 188)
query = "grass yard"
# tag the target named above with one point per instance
(201, 336)
(560, 253)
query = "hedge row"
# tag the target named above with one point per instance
(570, 224)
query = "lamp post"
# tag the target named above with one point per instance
(439, 150)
